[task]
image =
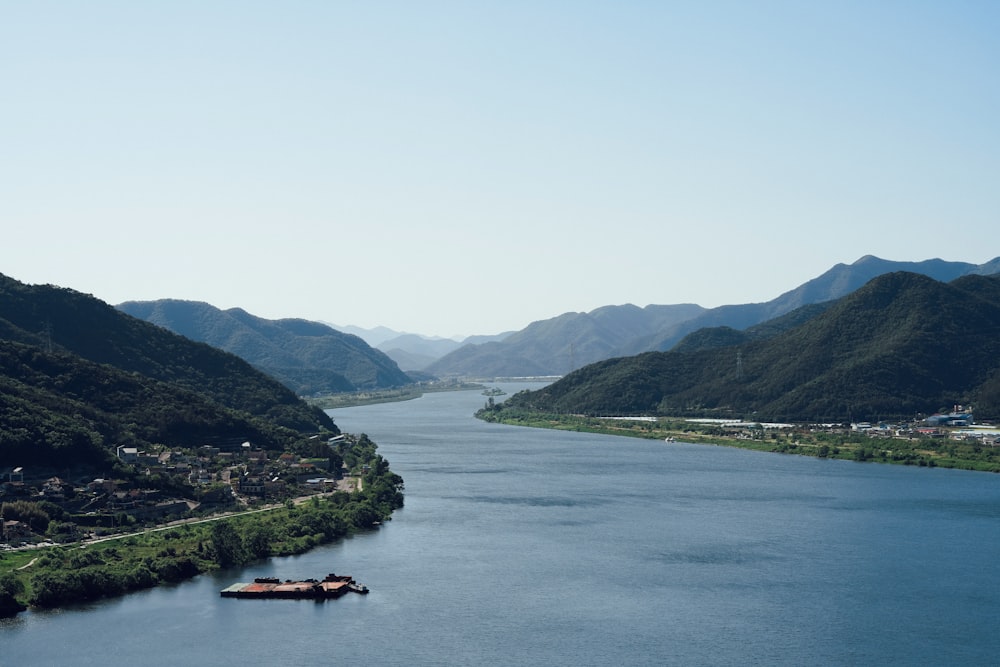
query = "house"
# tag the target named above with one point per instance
(12, 530)
(55, 489)
(100, 485)
(128, 454)
(209, 451)
(201, 476)
(251, 486)
(144, 458)
(274, 487)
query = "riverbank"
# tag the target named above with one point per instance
(800, 440)
(58, 575)
(408, 393)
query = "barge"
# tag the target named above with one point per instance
(333, 586)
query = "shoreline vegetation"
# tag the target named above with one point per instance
(410, 392)
(58, 575)
(407, 393)
(800, 440)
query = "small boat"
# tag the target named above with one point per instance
(357, 588)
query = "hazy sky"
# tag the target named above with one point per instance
(470, 167)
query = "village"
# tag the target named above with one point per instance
(42, 506)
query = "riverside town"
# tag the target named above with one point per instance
(169, 514)
(152, 487)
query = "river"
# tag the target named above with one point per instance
(531, 547)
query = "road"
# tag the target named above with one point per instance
(348, 484)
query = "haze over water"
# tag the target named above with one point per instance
(529, 547)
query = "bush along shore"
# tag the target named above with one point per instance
(78, 572)
(808, 440)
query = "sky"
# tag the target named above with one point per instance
(458, 168)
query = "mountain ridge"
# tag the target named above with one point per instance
(308, 357)
(902, 344)
(80, 377)
(560, 344)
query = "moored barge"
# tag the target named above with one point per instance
(333, 586)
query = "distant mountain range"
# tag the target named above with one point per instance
(418, 353)
(373, 337)
(79, 378)
(901, 345)
(414, 352)
(308, 357)
(559, 345)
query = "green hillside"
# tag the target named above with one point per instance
(572, 340)
(901, 345)
(79, 378)
(308, 357)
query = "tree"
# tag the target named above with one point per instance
(28, 512)
(363, 515)
(10, 588)
(336, 462)
(227, 544)
(258, 540)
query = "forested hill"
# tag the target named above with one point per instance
(569, 341)
(901, 345)
(308, 357)
(835, 283)
(80, 378)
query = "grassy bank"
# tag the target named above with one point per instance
(59, 575)
(351, 399)
(937, 452)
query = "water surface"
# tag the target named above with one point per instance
(530, 547)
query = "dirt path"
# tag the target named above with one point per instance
(349, 484)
